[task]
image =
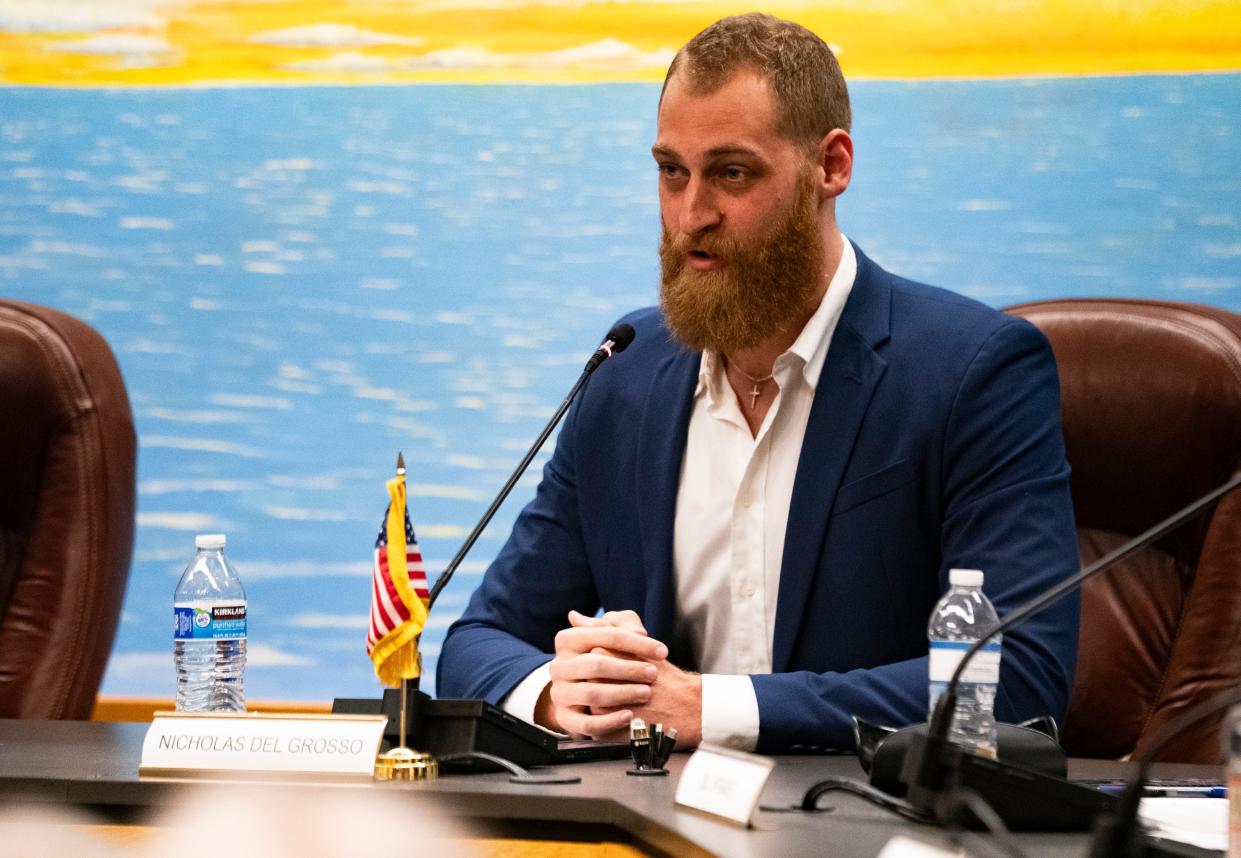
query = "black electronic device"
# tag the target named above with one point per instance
(1020, 744)
(447, 726)
(933, 767)
(442, 727)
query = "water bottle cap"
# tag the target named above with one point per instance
(965, 577)
(209, 540)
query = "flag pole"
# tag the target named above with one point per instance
(400, 472)
(404, 704)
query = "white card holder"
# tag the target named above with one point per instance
(261, 744)
(724, 783)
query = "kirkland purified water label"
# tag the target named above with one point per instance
(209, 622)
(984, 667)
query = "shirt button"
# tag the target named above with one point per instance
(747, 588)
(747, 501)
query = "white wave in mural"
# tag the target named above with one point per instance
(452, 492)
(318, 620)
(265, 267)
(75, 207)
(244, 400)
(67, 248)
(143, 665)
(294, 513)
(266, 655)
(348, 61)
(121, 44)
(611, 55)
(157, 223)
(262, 570)
(186, 521)
(200, 445)
(293, 165)
(189, 415)
(331, 36)
(167, 486)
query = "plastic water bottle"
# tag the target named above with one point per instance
(209, 632)
(963, 616)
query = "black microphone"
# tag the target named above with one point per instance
(617, 340)
(932, 761)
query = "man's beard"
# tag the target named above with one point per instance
(764, 287)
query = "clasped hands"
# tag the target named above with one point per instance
(607, 671)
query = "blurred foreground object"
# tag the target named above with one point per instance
(273, 822)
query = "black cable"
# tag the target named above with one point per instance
(517, 774)
(810, 801)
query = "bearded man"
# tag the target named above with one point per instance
(751, 512)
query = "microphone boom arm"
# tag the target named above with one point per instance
(447, 574)
(618, 339)
(947, 701)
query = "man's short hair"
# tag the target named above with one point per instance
(811, 96)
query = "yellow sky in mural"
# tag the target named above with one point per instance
(157, 42)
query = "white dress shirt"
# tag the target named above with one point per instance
(731, 514)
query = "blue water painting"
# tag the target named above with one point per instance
(299, 282)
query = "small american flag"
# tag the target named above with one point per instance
(399, 593)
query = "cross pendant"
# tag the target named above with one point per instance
(754, 392)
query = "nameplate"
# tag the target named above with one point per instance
(181, 744)
(724, 783)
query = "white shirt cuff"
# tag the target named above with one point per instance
(729, 711)
(521, 701)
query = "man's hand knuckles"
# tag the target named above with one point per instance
(625, 619)
(596, 694)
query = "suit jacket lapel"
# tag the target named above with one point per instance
(851, 372)
(661, 448)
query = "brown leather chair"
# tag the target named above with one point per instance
(1152, 420)
(66, 510)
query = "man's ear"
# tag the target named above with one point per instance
(834, 158)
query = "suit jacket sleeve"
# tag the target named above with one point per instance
(1005, 509)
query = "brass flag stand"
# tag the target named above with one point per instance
(402, 763)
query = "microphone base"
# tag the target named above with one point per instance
(1027, 800)
(443, 727)
(446, 727)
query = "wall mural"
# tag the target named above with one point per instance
(317, 232)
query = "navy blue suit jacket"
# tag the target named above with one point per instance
(933, 442)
